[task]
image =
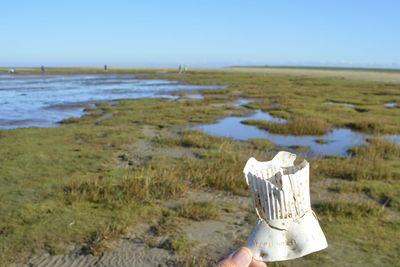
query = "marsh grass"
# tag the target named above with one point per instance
(179, 244)
(299, 147)
(220, 171)
(366, 126)
(155, 181)
(375, 160)
(260, 144)
(97, 241)
(198, 211)
(384, 193)
(169, 228)
(337, 208)
(193, 261)
(294, 126)
(194, 139)
(168, 224)
(377, 148)
(220, 161)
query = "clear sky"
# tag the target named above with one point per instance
(199, 33)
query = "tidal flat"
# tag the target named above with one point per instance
(45, 99)
(131, 181)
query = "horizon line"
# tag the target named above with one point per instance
(300, 66)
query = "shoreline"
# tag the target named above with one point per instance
(66, 103)
(361, 74)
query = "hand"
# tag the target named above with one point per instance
(241, 258)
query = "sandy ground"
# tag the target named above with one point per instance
(213, 239)
(390, 77)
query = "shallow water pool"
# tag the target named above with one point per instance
(336, 142)
(390, 104)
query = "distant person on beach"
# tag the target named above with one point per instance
(241, 258)
(42, 68)
(180, 69)
(105, 68)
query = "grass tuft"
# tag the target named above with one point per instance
(296, 126)
(375, 160)
(180, 245)
(198, 211)
(260, 144)
(366, 126)
(156, 180)
(338, 208)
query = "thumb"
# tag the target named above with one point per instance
(240, 258)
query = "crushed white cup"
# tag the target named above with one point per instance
(286, 227)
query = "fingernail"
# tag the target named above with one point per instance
(242, 257)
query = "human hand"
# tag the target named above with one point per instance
(241, 258)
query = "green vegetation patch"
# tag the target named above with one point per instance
(378, 159)
(198, 211)
(261, 144)
(347, 209)
(296, 126)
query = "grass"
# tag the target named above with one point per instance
(193, 139)
(295, 126)
(384, 193)
(125, 186)
(180, 245)
(172, 237)
(198, 211)
(260, 144)
(367, 126)
(376, 160)
(324, 68)
(321, 141)
(193, 261)
(334, 209)
(63, 185)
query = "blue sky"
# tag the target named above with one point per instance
(199, 33)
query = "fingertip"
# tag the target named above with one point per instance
(255, 263)
(242, 257)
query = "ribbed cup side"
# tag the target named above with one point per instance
(273, 203)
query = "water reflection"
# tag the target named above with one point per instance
(43, 100)
(260, 115)
(395, 138)
(241, 102)
(390, 104)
